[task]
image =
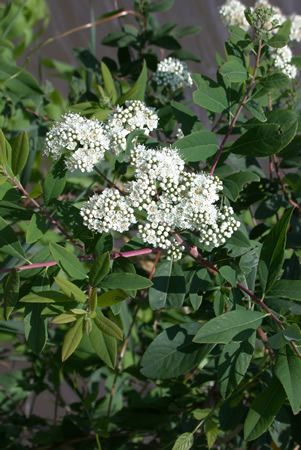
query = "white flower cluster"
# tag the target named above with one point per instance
(108, 211)
(296, 28)
(172, 73)
(135, 116)
(276, 16)
(85, 141)
(282, 58)
(233, 14)
(164, 198)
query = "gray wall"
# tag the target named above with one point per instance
(66, 14)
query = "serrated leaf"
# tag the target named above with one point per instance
(228, 326)
(67, 261)
(184, 442)
(72, 339)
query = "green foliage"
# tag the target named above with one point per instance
(135, 350)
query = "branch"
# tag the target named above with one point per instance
(239, 110)
(194, 253)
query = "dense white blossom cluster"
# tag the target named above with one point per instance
(172, 73)
(84, 141)
(233, 14)
(134, 116)
(282, 58)
(269, 17)
(108, 211)
(295, 28)
(164, 198)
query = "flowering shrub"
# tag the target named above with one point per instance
(150, 243)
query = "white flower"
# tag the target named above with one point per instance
(108, 211)
(134, 116)
(172, 73)
(296, 28)
(233, 14)
(276, 16)
(282, 58)
(164, 198)
(83, 142)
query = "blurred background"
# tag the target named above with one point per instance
(66, 14)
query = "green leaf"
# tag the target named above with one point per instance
(11, 292)
(268, 138)
(107, 326)
(111, 298)
(274, 81)
(209, 95)
(234, 183)
(263, 410)
(168, 286)
(71, 290)
(100, 268)
(45, 297)
(228, 274)
(104, 346)
(197, 146)
(184, 442)
(9, 243)
(233, 364)
(20, 152)
(272, 252)
(72, 339)
(5, 152)
(67, 261)
(36, 229)
(35, 328)
(233, 71)
(211, 431)
(55, 181)
(256, 110)
(288, 372)
(281, 38)
(160, 6)
(137, 92)
(290, 289)
(126, 281)
(226, 327)
(108, 82)
(173, 353)
(64, 318)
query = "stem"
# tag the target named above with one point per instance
(239, 110)
(110, 183)
(194, 253)
(283, 185)
(114, 255)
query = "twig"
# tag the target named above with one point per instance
(240, 108)
(283, 185)
(114, 255)
(110, 183)
(194, 253)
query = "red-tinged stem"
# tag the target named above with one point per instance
(130, 253)
(114, 255)
(194, 253)
(239, 110)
